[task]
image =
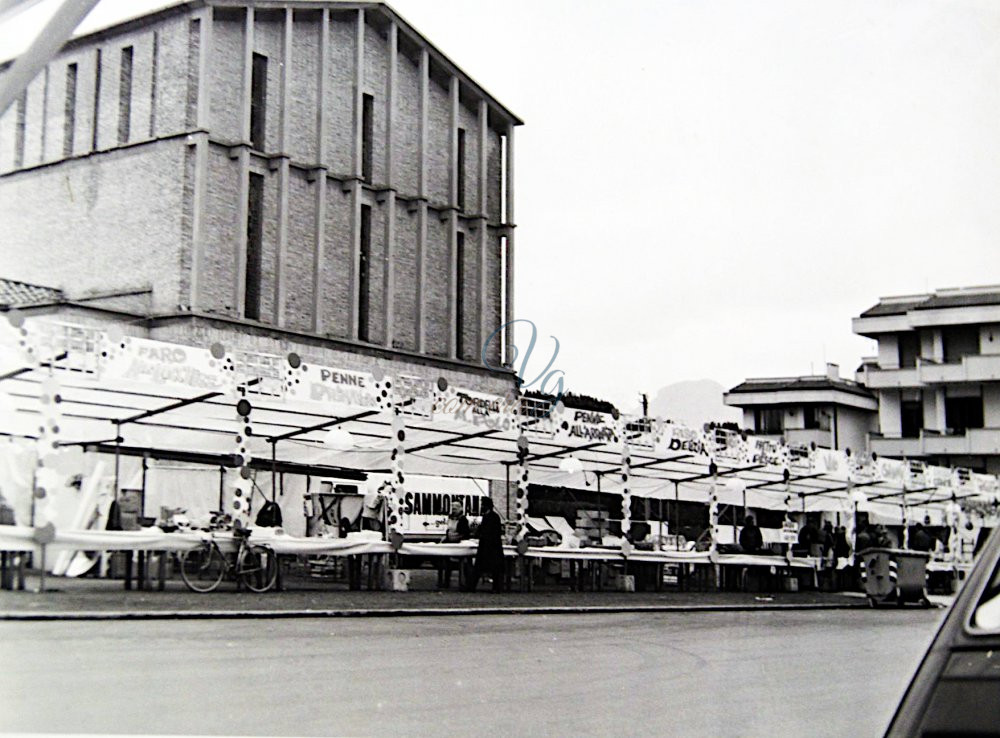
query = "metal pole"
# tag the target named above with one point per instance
(222, 484)
(142, 497)
(118, 445)
(507, 495)
(677, 516)
(274, 462)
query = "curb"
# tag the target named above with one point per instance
(411, 612)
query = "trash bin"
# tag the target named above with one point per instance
(894, 575)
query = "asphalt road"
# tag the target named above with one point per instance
(723, 673)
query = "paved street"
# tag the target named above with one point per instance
(749, 673)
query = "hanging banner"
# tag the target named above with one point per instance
(681, 438)
(578, 427)
(332, 386)
(468, 407)
(156, 362)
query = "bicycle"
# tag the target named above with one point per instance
(255, 566)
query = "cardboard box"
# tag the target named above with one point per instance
(397, 580)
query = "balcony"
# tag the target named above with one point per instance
(974, 368)
(891, 378)
(888, 446)
(974, 441)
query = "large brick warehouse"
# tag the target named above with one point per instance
(309, 176)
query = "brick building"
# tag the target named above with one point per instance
(308, 176)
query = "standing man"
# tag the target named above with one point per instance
(489, 557)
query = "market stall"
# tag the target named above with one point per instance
(94, 418)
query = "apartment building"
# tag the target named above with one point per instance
(823, 410)
(936, 376)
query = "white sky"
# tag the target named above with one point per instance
(713, 189)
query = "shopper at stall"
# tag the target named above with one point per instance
(863, 540)
(457, 530)
(751, 539)
(489, 557)
(841, 546)
(371, 510)
(827, 539)
(919, 539)
(809, 539)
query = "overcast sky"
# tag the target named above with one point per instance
(714, 189)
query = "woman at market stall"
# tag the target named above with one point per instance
(457, 531)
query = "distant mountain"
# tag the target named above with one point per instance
(693, 403)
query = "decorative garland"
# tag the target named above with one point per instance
(522, 486)
(242, 487)
(626, 491)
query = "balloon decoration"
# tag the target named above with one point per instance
(713, 511)
(47, 480)
(521, 506)
(28, 353)
(243, 486)
(626, 491)
(397, 481)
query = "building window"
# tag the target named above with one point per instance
(959, 341)
(154, 67)
(258, 102)
(911, 417)
(769, 420)
(459, 293)
(22, 114)
(962, 413)
(364, 275)
(125, 96)
(97, 101)
(460, 171)
(255, 247)
(367, 134)
(909, 349)
(69, 110)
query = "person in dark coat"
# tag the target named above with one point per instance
(863, 540)
(841, 547)
(919, 539)
(751, 539)
(489, 557)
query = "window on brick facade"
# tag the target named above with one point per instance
(258, 102)
(367, 134)
(69, 110)
(364, 269)
(22, 115)
(460, 171)
(255, 247)
(459, 293)
(97, 101)
(125, 96)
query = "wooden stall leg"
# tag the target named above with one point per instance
(22, 559)
(128, 570)
(161, 564)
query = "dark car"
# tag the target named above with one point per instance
(956, 690)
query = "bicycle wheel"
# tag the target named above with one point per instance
(257, 568)
(203, 568)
